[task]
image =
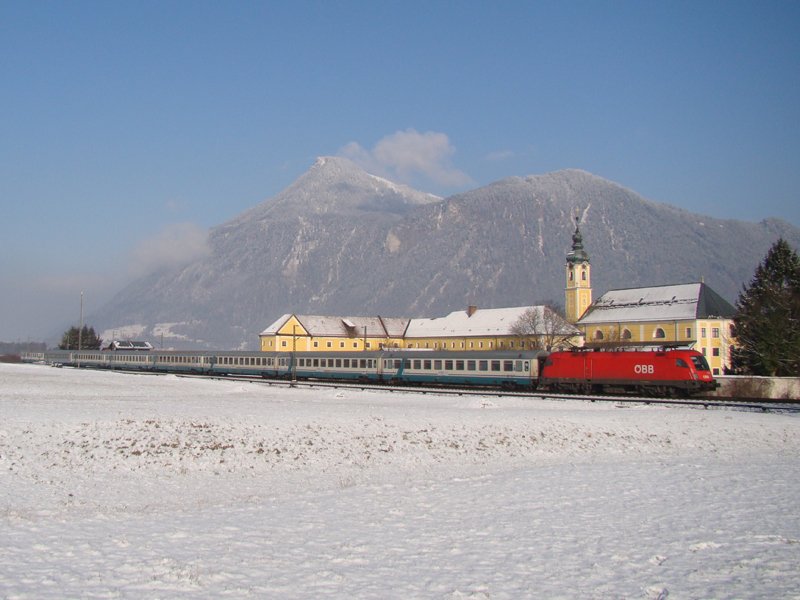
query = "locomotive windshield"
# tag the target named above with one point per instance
(700, 362)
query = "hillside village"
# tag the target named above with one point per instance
(688, 314)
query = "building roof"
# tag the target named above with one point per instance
(687, 301)
(330, 326)
(129, 345)
(474, 323)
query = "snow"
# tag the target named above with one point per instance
(131, 486)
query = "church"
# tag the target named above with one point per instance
(689, 314)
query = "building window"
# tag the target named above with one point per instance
(688, 333)
(283, 343)
(715, 332)
(583, 274)
(703, 350)
(626, 334)
(341, 344)
(659, 333)
(355, 344)
(598, 335)
(702, 332)
(329, 344)
(715, 352)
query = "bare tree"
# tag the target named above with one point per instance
(542, 328)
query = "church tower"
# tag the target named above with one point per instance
(579, 282)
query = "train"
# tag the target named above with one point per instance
(668, 372)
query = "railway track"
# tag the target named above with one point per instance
(705, 403)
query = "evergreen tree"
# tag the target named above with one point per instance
(767, 324)
(88, 339)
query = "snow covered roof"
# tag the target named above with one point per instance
(130, 345)
(680, 302)
(472, 323)
(331, 326)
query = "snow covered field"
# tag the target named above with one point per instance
(131, 486)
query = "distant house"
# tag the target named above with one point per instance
(129, 345)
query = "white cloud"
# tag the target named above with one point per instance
(406, 155)
(176, 245)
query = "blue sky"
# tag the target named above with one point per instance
(130, 127)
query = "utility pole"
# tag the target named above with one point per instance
(80, 327)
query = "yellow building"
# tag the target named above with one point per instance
(516, 328)
(474, 329)
(310, 333)
(690, 314)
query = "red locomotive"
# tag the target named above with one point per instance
(653, 373)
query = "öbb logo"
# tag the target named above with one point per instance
(644, 369)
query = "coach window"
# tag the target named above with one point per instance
(448, 365)
(426, 365)
(437, 365)
(495, 365)
(417, 364)
(338, 363)
(459, 365)
(316, 362)
(508, 365)
(470, 365)
(483, 365)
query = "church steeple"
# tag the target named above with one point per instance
(578, 293)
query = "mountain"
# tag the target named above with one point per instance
(342, 241)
